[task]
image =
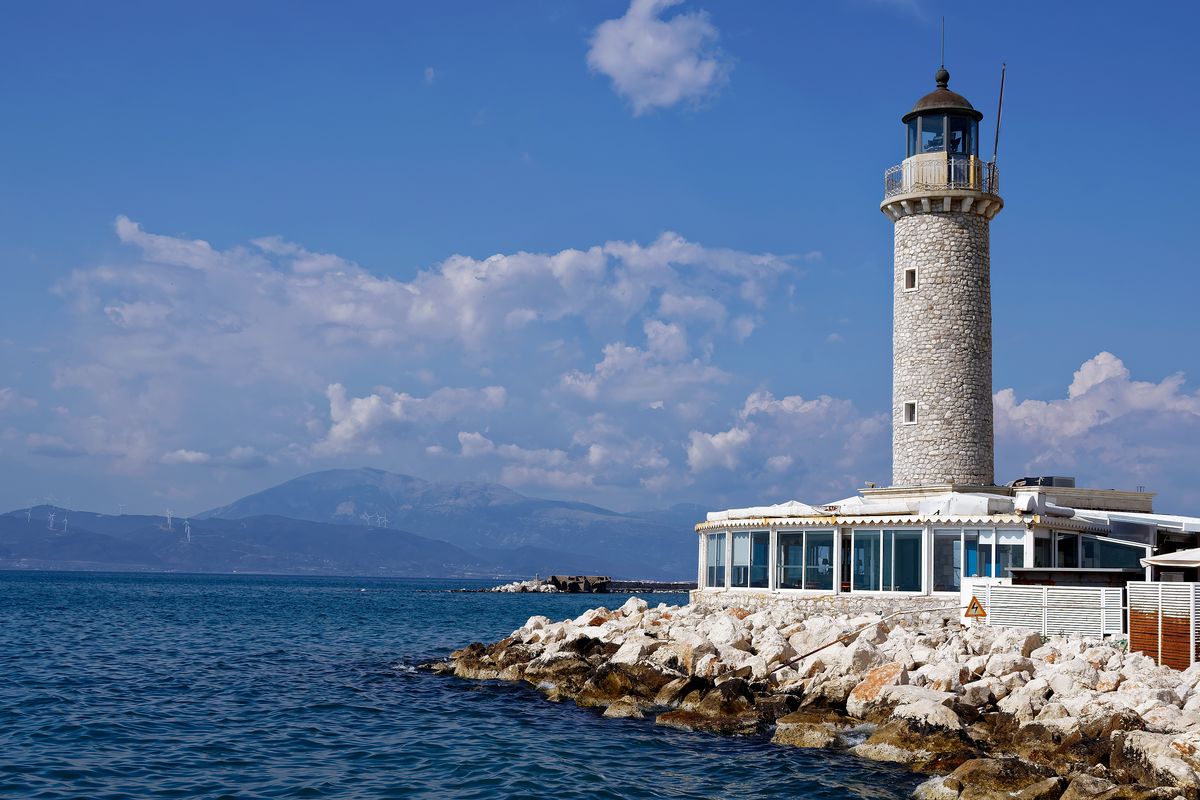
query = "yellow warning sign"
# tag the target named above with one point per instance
(975, 609)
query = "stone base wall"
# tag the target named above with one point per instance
(926, 609)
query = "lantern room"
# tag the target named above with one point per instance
(942, 122)
(941, 153)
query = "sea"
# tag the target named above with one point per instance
(181, 686)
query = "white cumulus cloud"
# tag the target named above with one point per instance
(1113, 430)
(355, 421)
(656, 61)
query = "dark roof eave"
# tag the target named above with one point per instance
(957, 110)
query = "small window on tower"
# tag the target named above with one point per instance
(910, 279)
(910, 413)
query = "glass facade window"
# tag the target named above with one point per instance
(865, 577)
(790, 561)
(715, 560)
(889, 561)
(932, 134)
(740, 564)
(902, 561)
(1010, 552)
(972, 568)
(1104, 554)
(1066, 550)
(910, 139)
(1043, 552)
(961, 137)
(805, 561)
(749, 563)
(947, 560)
(975, 553)
(818, 560)
(760, 548)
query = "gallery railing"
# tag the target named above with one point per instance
(933, 172)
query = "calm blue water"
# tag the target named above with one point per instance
(140, 686)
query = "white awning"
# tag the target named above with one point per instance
(1167, 522)
(1180, 558)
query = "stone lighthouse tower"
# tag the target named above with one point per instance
(941, 200)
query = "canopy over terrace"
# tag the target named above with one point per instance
(1183, 559)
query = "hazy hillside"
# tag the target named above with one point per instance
(367, 522)
(489, 518)
(253, 544)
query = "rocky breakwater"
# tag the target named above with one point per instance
(534, 585)
(989, 712)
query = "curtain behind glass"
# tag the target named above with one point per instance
(741, 560)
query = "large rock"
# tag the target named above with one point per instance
(829, 690)
(928, 714)
(611, 682)
(1090, 787)
(1150, 759)
(623, 708)
(773, 648)
(861, 657)
(674, 691)
(921, 747)
(637, 647)
(634, 605)
(996, 778)
(866, 693)
(810, 729)
(727, 708)
(1001, 664)
(1019, 641)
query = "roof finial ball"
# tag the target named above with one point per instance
(942, 76)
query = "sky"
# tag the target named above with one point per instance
(627, 253)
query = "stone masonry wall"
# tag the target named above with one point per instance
(927, 609)
(942, 351)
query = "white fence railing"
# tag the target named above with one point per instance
(1053, 610)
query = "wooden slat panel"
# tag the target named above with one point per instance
(1161, 623)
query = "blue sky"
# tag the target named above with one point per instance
(519, 242)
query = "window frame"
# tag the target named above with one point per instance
(729, 584)
(988, 537)
(922, 560)
(804, 533)
(724, 565)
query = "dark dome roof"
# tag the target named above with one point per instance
(942, 99)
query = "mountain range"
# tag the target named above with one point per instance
(367, 522)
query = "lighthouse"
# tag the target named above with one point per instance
(941, 200)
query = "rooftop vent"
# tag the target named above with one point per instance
(1046, 480)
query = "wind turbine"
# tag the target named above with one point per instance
(50, 523)
(187, 530)
(64, 530)
(170, 524)
(383, 520)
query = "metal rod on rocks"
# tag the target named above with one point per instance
(852, 634)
